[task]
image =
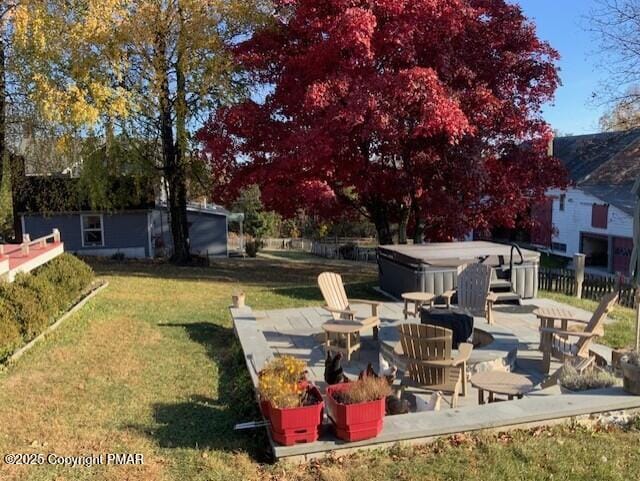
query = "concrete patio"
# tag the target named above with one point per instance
(298, 332)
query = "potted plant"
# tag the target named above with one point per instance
(630, 365)
(237, 299)
(571, 380)
(292, 404)
(357, 408)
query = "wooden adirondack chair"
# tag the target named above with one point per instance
(342, 334)
(427, 354)
(474, 282)
(557, 343)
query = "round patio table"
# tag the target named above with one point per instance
(418, 299)
(500, 382)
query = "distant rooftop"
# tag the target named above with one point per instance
(607, 158)
(605, 164)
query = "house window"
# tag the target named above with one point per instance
(599, 216)
(562, 200)
(558, 246)
(92, 230)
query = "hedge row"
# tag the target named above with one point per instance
(33, 301)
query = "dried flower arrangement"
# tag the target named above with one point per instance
(366, 389)
(573, 380)
(283, 383)
(633, 358)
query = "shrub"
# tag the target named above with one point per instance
(369, 388)
(252, 247)
(32, 301)
(10, 337)
(45, 292)
(68, 274)
(31, 317)
(590, 379)
(119, 256)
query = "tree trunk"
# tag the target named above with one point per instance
(180, 180)
(173, 168)
(402, 225)
(17, 174)
(3, 114)
(418, 230)
(380, 217)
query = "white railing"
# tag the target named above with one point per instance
(40, 242)
(15, 258)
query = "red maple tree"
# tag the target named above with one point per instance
(421, 113)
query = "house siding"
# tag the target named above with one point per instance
(126, 232)
(576, 219)
(207, 232)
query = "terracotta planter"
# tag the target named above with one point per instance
(616, 356)
(354, 422)
(297, 425)
(238, 299)
(631, 377)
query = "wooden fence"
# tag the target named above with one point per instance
(354, 249)
(287, 243)
(350, 252)
(594, 286)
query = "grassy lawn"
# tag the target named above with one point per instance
(151, 366)
(619, 334)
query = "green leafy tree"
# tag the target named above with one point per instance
(145, 66)
(258, 222)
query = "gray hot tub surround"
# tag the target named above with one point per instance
(497, 347)
(433, 267)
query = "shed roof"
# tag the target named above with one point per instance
(607, 158)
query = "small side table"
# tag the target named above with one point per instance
(344, 336)
(418, 299)
(498, 382)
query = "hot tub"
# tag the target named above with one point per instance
(434, 267)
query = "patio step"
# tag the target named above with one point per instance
(500, 285)
(507, 298)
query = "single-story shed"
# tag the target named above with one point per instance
(135, 227)
(96, 233)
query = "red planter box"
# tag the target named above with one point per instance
(297, 425)
(265, 408)
(354, 422)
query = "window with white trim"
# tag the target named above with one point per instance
(92, 230)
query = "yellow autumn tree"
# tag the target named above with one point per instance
(152, 66)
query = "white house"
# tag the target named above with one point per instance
(594, 215)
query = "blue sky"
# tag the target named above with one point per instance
(562, 24)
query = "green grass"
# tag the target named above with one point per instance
(618, 334)
(151, 366)
(288, 255)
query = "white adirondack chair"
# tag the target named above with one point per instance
(474, 282)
